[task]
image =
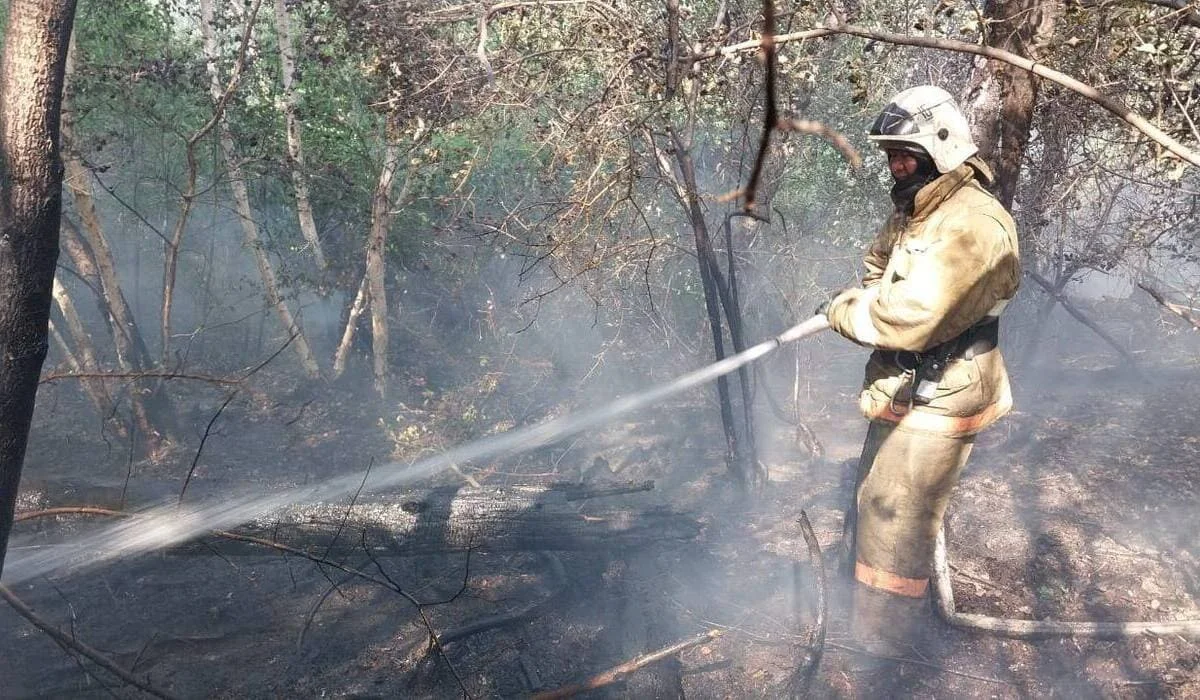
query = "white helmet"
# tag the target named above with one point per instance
(925, 116)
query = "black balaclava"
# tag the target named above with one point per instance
(904, 192)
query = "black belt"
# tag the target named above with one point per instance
(973, 342)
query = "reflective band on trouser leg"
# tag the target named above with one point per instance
(884, 581)
(901, 503)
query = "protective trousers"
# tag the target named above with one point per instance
(903, 484)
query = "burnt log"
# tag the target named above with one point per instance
(560, 517)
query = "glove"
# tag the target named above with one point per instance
(823, 307)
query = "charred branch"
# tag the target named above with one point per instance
(618, 673)
(70, 643)
(814, 644)
(1186, 313)
(1078, 315)
(510, 618)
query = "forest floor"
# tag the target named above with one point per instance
(1082, 505)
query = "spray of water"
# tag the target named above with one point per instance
(166, 525)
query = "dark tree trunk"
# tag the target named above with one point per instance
(742, 464)
(31, 80)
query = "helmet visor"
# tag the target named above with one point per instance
(894, 120)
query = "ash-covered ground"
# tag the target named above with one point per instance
(1082, 505)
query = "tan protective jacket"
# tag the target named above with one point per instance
(930, 277)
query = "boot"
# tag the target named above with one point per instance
(887, 628)
(886, 624)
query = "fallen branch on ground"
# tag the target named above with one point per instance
(491, 518)
(144, 374)
(1179, 310)
(918, 662)
(1061, 298)
(619, 672)
(79, 647)
(814, 647)
(385, 582)
(503, 619)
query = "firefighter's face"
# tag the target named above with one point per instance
(902, 164)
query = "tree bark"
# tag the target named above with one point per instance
(31, 81)
(381, 219)
(95, 390)
(241, 197)
(131, 348)
(83, 340)
(1002, 98)
(287, 60)
(343, 348)
(71, 240)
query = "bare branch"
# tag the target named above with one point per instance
(617, 673)
(147, 374)
(754, 45)
(1112, 105)
(1187, 11)
(69, 642)
(834, 137)
(770, 111)
(207, 429)
(1184, 312)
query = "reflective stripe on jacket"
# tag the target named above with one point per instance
(930, 277)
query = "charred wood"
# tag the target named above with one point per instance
(454, 519)
(619, 672)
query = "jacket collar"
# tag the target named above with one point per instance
(931, 196)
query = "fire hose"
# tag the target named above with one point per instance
(943, 602)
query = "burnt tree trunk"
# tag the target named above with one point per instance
(740, 463)
(454, 519)
(31, 80)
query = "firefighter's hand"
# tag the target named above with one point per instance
(823, 307)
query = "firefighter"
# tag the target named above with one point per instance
(937, 277)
